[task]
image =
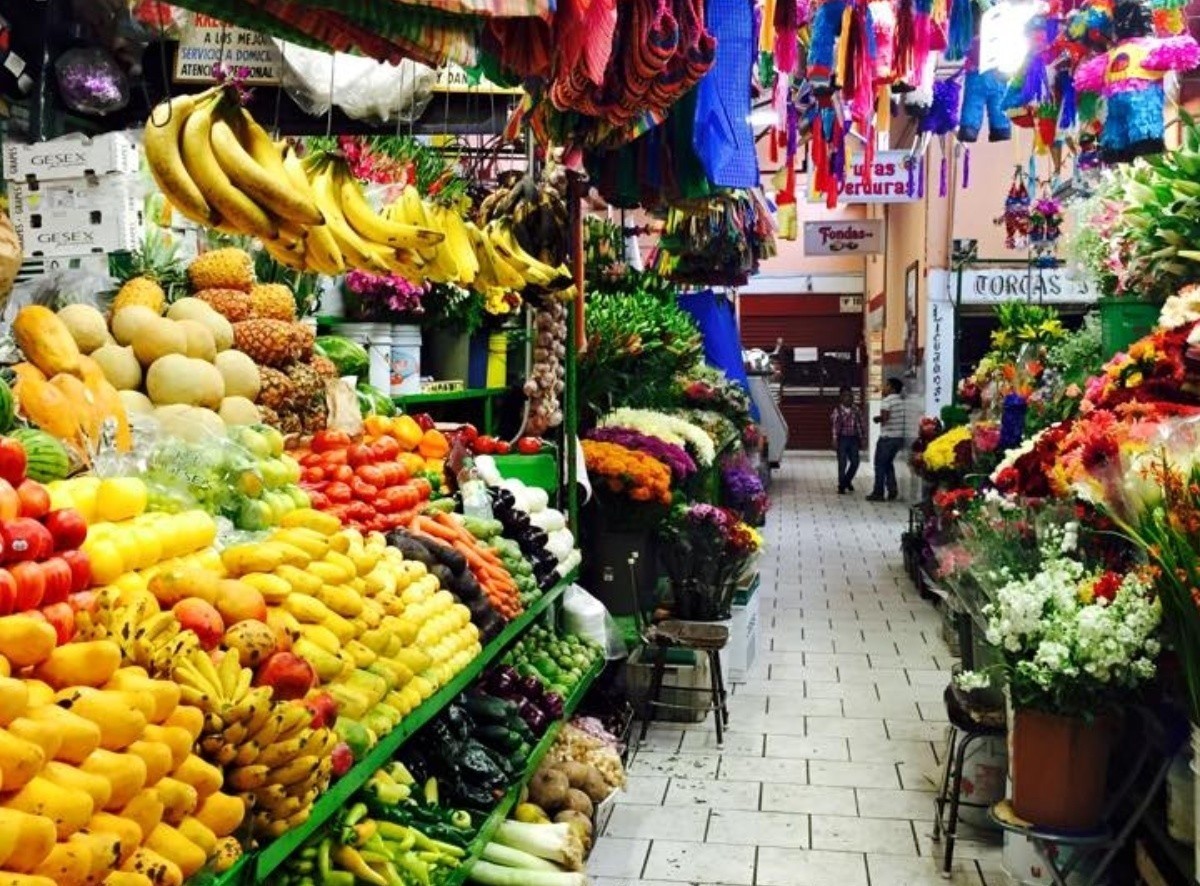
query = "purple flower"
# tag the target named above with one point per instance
(674, 457)
(390, 292)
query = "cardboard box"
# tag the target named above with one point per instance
(745, 632)
(79, 216)
(686, 685)
(72, 156)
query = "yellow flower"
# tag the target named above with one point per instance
(1135, 379)
(1087, 593)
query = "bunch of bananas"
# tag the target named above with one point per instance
(149, 638)
(271, 754)
(536, 211)
(219, 167)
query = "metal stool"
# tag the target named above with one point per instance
(700, 637)
(975, 725)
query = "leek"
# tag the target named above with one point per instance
(497, 853)
(553, 842)
(488, 874)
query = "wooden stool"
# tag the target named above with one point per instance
(701, 638)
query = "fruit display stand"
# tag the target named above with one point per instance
(416, 402)
(270, 858)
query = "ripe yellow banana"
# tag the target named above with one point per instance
(321, 252)
(269, 155)
(161, 141)
(290, 256)
(356, 252)
(372, 226)
(268, 189)
(233, 205)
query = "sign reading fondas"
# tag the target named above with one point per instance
(1038, 285)
(843, 237)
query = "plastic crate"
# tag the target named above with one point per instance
(539, 470)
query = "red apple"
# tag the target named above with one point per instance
(62, 618)
(202, 619)
(59, 579)
(68, 528)
(12, 460)
(289, 676)
(81, 572)
(323, 707)
(35, 500)
(25, 539)
(342, 757)
(8, 592)
(10, 502)
(31, 585)
(84, 601)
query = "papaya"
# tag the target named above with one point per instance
(164, 692)
(14, 699)
(201, 775)
(35, 837)
(126, 831)
(5, 667)
(84, 404)
(161, 871)
(179, 799)
(221, 813)
(46, 341)
(95, 786)
(42, 733)
(178, 739)
(127, 878)
(68, 808)
(25, 641)
(145, 810)
(120, 725)
(107, 401)
(40, 694)
(79, 736)
(170, 843)
(199, 833)
(89, 663)
(11, 833)
(187, 717)
(68, 864)
(20, 760)
(50, 410)
(157, 757)
(105, 849)
(125, 774)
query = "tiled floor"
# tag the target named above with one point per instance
(826, 775)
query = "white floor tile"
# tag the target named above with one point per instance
(853, 775)
(658, 823)
(701, 863)
(644, 790)
(811, 799)
(746, 828)
(845, 834)
(888, 803)
(723, 794)
(888, 870)
(744, 744)
(808, 748)
(800, 867)
(613, 857)
(675, 765)
(764, 769)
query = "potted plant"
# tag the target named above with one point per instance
(1074, 645)
(705, 550)
(452, 316)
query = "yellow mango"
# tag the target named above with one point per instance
(199, 833)
(67, 776)
(171, 844)
(126, 831)
(188, 718)
(90, 663)
(68, 809)
(20, 761)
(79, 736)
(161, 871)
(179, 799)
(125, 774)
(157, 757)
(201, 775)
(120, 724)
(104, 848)
(35, 837)
(145, 810)
(127, 878)
(164, 693)
(178, 739)
(25, 641)
(14, 698)
(68, 864)
(10, 879)
(221, 813)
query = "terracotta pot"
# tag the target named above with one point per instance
(1060, 768)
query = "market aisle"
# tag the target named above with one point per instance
(825, 779)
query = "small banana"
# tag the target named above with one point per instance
(264, 736)
(282, 752)
(247, 753)
(235, 734)
(295, 770)
(229, 671)
(249, 778)
(203, 664)
(161, 143)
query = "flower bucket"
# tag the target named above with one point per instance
(449, 354)
(1122, 322)
(1059, 769)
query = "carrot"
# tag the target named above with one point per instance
(435, 529)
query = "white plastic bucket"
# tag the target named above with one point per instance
(406, 360)
(985, 771)
(377, 339)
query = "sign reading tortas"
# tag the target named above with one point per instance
(208, 42)
(843, 237)
(1038, 285)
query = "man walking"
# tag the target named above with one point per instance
(891, 420)
(847, 439)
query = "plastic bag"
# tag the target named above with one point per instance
(585, 616)
(365, 89)
(91, 82)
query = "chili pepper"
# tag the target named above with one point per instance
(349, 859)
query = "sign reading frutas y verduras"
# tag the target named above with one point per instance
(843, 237)
(207, 42)
(891, 181)
(1040, 285)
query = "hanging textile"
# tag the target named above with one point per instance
(722, 137)
(714, 315)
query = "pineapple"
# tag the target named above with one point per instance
(308, 382)
(272, 301)
(276, 391)
(303, 338)
(324, 367)
(153, 275)
(227, 268)
(232, 304)
(269, 416)
(290, 423)
(267, 342)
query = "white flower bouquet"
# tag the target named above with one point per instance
(669, 428)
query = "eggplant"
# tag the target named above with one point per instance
(444, 576)
(447, 556)
(531, 688)
(466, 587)
(502, 681)
(411, 548)
(536, 718)
(552, 704)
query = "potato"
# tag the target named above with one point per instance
(578, 801)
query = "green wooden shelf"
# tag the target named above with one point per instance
(488, 830)
(448, 396)
(341, 790)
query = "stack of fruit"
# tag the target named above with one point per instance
(233, 346)
(559, 661)
(423, 448)
(362, 484)
(99, 775)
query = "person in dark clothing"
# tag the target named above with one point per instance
(848, 434)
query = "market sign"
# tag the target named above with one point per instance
(843, 237)
(452, 78)
(891, 181)
(939, 356)
(208, 41)
(991, 286)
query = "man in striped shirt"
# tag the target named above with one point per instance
(891, 420)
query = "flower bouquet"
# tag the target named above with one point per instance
(675, 457)
(705, 551)
(742, 489)
(623, 476)
(382, 298)
(669, 428)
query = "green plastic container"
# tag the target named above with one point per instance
(1122, 322)
(539, 470)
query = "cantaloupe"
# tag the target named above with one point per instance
(136, 403)
(239, 411)
(195, 424)
(202, 312)
(86, 326)
(128, 323)
(240, 374)
(201, 344)
(158, 339)
(120, 366)
(188, 309)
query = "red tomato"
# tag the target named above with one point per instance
(320, 501)
(68, 528)
(468, 432)
(31, 585)
(359, 455)
(59, 579)
(324, 441)
(529, 445)
(62, 618)
(423, 488)
(339, 493)
(10, 502)
(386, 448)
(396, 474)
(336, 457)
(360, 510)
(503, 447)
(373, 474)
(342, 474)
(383, 504)
(8, 592)
(314, 475)
(484, 446)
(338, 510)
(310, 460)
(363, 491)
(12, 461)
(35, 500)
(396, 497)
